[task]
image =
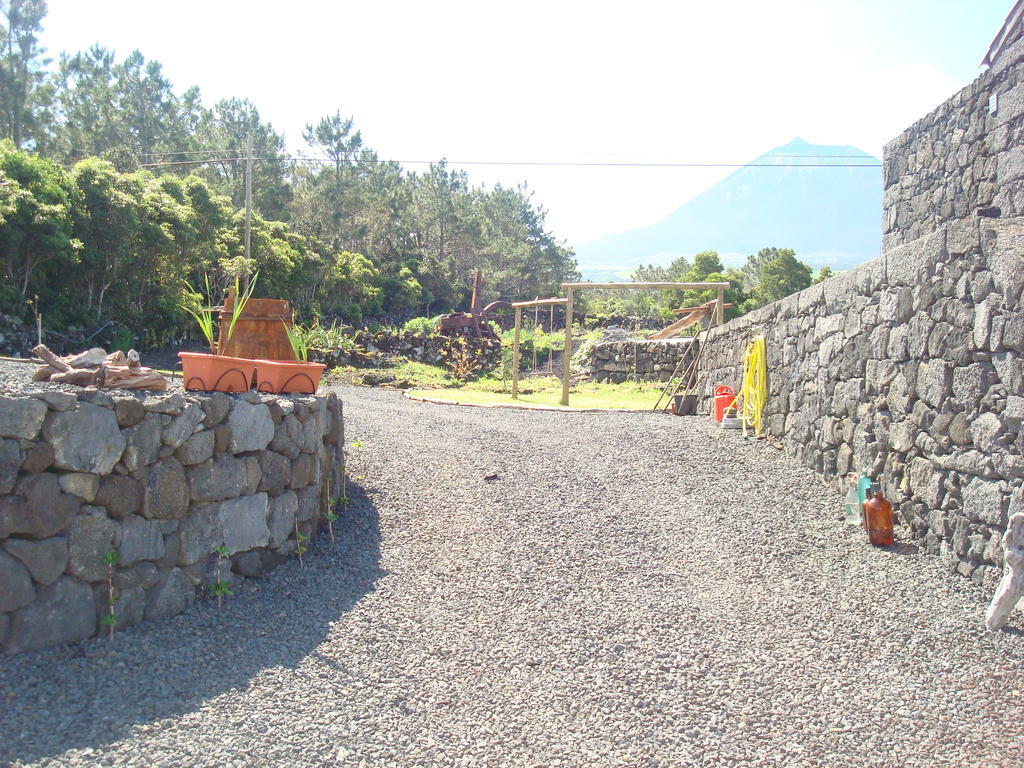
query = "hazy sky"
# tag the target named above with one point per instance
(564, 81)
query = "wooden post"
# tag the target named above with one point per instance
(248, 211)
(567, 354)
(720, 308)
(515, 354)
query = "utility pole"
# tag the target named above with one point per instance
(248, 206)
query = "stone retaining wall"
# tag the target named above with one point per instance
(966, 154)
(415, 347)
(163, 482)
(908, 366)
(618, 361)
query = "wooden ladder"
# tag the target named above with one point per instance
(688, 364)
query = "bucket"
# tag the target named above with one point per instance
(259, 333)
(724, 398)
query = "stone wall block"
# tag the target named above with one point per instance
(45, 560)
(11, 458)
(281, 518)
(183, 425)
(200, 533)
(128, 411)
(197, 448)
(21, 417)
(120, 495)
(165, 490)
(16, 588)
(244, 522)
(221, 477)
(63, 612)
(80, 484)
(90, 537)
(275, 470)
(172, 595)
(141, 539)
(252, 428)
(84, 440)
(45, 512)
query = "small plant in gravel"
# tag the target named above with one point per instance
(110, 619)
(331, 516)
(300, 543)
(462, 358)
(220, 588)
(357, 443)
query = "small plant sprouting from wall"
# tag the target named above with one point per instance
(220, 588)
(331, 516)
(110, 619)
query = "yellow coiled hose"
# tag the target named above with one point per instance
(754, 390)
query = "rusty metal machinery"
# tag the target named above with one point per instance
(473, 323)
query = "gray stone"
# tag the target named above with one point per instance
(80, 484)
(197, 448)
(934, 382)
(983, 501)
(141, 539)
(58, 401)
(166, 495)
(10, 462)
(970, 383)
(38, 458)
(21, 417)
(179, 430)
(926, 482)
(309, 503)
(216, 407)
(172, 404)
(1014, 408)
(248, 564)
(244, 522)
(15, 584)
(275, 469)
(985, 431)
(96, 397)
(5, 625)
(121, 495)
(302, 471)
(143, 443)
(45, 560)
(288, 437)
(252, 429)
(64, 612)
(172, 595)
(85, 440)
(223, 477)
(130, 607)
(90, 537)
(312, 436)
(45, 512)
(199, 534)
(901, 436)
(282, 517)
(129, 411)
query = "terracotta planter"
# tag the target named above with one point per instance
(216, 373)
(284, 377)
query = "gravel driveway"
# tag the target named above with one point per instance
(632, 590)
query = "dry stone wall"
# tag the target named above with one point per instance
(618, 361)
(909, 367)
(966, 154)
(163, 482)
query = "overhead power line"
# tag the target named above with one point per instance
(549, 164)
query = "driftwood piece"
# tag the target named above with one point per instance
(1011, 586)
(130, 376)
(51, 359)
(43, 373)
(81, 377)
(694, 317)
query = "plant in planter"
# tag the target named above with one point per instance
(291, 377)
(216, 372)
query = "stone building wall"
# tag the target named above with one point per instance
(910, 367)
(966, 154)
(163, 481)
(618, 361)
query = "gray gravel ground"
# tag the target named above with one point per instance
(633, 590)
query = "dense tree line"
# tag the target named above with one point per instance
(117, 193)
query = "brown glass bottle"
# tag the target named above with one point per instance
(878, 518)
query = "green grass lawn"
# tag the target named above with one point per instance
(548, 391)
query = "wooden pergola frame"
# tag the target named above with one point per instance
(519, 306)
(570, 287)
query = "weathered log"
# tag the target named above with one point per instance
(91, 358)
(81, 377)
(51, 359)
(43, 373)
(1011, 586)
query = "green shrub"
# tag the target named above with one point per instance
(421, 326)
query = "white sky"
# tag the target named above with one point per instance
(564, 81)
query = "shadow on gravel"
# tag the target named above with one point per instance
(94, 693)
